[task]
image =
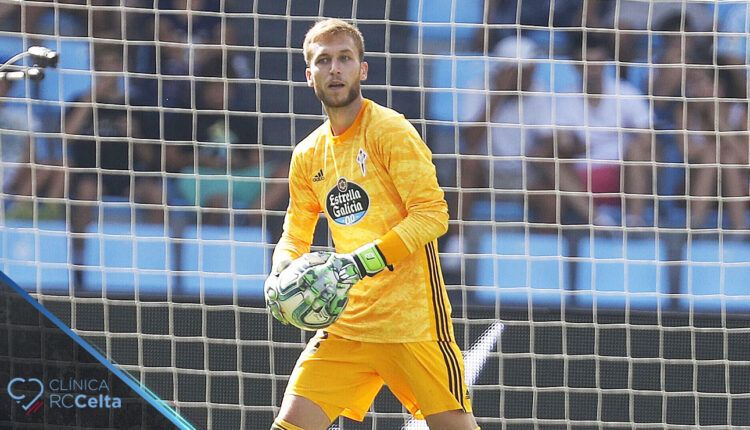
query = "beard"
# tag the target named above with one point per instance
(331, 102)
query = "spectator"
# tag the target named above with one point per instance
(715, 143)
(534, 18)
(672, 46)
(28, 169)
(606, 124)
(10, 17)
(733, 19)
(106, 20)
(192, 31)
(634, 50)
(188, 29)
(55, 18)
(677, 34)
(630, 49)
(195, 21)
(102, 153)
(186, 32)
(507, 126)
(185, 25)
(224, 168)
(506, 122)
(15, 137)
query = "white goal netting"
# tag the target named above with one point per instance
(594, 156)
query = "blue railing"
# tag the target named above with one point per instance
(606, 269)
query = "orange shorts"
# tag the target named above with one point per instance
(343, 376)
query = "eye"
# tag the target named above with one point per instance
(323, 60)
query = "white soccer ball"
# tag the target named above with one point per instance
(308, 298)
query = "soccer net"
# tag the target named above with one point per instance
(594, 157)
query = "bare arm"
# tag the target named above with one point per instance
(78, 117)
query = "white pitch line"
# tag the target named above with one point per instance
(474, 360)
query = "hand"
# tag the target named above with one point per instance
(506, 79)
(325, 289)
(271, 283)
(329, 282)
(351, 268)
(306, 294)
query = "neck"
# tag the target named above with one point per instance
(341, 118)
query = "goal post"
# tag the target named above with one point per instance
(593, 155)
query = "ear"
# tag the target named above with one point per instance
(363, 68)
(308, 77)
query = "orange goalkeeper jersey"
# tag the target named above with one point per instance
(375, 182)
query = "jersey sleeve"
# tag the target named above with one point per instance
(409, 164)
(301, 215)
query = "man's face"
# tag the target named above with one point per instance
(106, 83)
(507, 77)
(595, 64)
(335, 71)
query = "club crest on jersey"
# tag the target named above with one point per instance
(361, 158)
(347, 202)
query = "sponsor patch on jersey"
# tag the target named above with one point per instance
(347, 202)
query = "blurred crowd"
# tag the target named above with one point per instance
(640, 120)
(206, 125)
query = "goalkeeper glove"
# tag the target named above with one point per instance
(323, 289)
(331, 281)
(367, 260)
(271, 284)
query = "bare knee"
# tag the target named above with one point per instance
(303, 413)
(452, 420)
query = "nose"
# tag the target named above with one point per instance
(335, 66)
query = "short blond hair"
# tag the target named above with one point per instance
(330, 27)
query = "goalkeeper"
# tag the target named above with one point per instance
(369, 172)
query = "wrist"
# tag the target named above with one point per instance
(370, 260)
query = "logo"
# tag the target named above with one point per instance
(62, 393)
(342, 185)
(319, 176)
(29, 403)
(347, 202)
(361, 157)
